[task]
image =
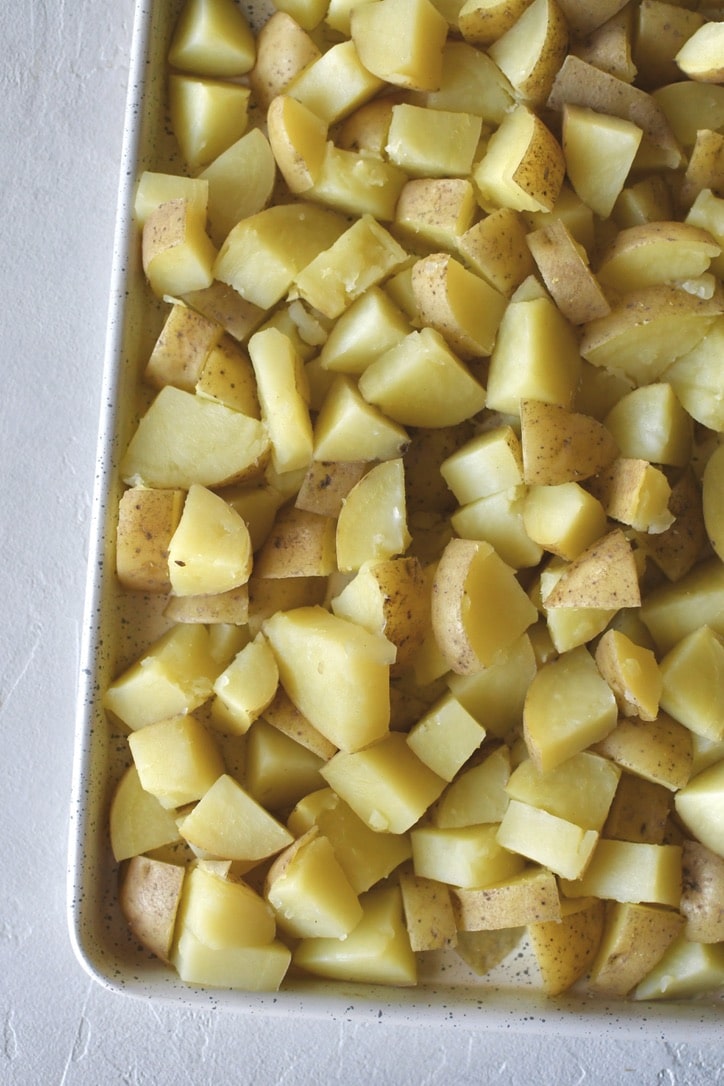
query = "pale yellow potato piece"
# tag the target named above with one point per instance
(278, 770)
(649, 423)
(282, 391)
(563, 519)
(632, 672)
(462, 856)
(182, 347)
(433, 143)
(495, 247)
(489, 462)
(177, 759)
(262, 254)
(656, 252)
(694, 377)
(245, 688)
(283, 49)
(231, 607)
(227, 377)
(372, 523)
(531, 51)
(385, 783)
(635, 493)
(210, 550)
(713, 499)
(222, 303)
(535, 357)
(434, 212)
(562, 846)
(138, 822)
(298, 139)
(174, 675)
(560, 446)
(629, 871)
(458, 303)
(523, 165)
(149, 897)
(568, 627)
(283, 715)
(365, 130)
(184, 439)
(484, 21)
(178, 255)
(599, 151)
(701, 57)
(702, 896)
(357, 185)
(428, 913)
(228, 823)
(498, 519)
(603, 576)
(311, 645)
(693, 673)
(690, 106)
(147, 520)
(371, 325)
(222, 911)
(677, 549)
(565, 949)
(207, 117)
(496, 693)
(471, 83)
(704, 167)
(659, 751)
(445, 737)
(422, 381)
(348, 428)
(574, 680)
(401, 41)
(335, 84)
(580, 84)
(309, 892)
(308, 13)
(477, 795)
(673, 611)
(634, 938)
(579, 790)
(377, 951)
(529, 897)
(563, 266)
(248, 968)
(686, 969)
(471, 585)
(212, 37)
(156, 187)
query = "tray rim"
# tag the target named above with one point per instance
(485, 1008)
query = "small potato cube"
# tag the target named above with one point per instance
(635, 936)
(496, 693)
(569, 627)
(212, 37)
(311, 645)
(372, 524)
(659, 750)
(223, 304)
(245, 688)
(421, 381)
(580, 789)
(495, 247)
(207, 117)
(477, 795)
(599, 151)
(633, 674)
(445, 737)
(565, 949)
(371, 325)
(149, 897)
(138, 822)
(433, 143)
(178, 255)
(498, 519)
(529, 897)
(401, 41)
(327, 484)
(558, 844)
(628, 871)
(249, 968)
(685, 969)
(210, 550)
(175, 675)
(531, 51)
(147, 519)
(672, 611)
(241, 181)
(434, 212)
(649, 423)
(357, 185)
(229, 824)
(335, 84)
(181, 349)
(177, 759)
(700, 806)
(428, 913)
(573, 679)
(563, 519)
(523, 165)
(279, 771)
(561, 446)
(230, 607)
(635, 493)
(377, 951)
(310, 893)
(490, 462)
(458, 303)
(385, 783)
(466, 856)
(692, 673)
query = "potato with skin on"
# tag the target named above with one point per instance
(283, 49)
(178, 255)
(712, 483)
(529, 897)
(702, 896)
(659, 750)
(561, 446)
(282, 714)
(434, 212)
(636, 494)
(639, 812)
(181, 349)
(565, 949)
(531, 51)
(567, 627)
(149, 896)
(495, 247)
(231, 607)
(479, 609)
(608, 46)
(605, 575)
(564, 268)
(482, 22)
(571, 679)
(298, 138)
(156, 187)
(223, 304)
(326, 484)
(428, 912)
(459, 304)
(147, 520)
(227, 377)
(656, 252)
(401, 41)
(212, 38)
(634, 938)
(523, 165)
(632, 672)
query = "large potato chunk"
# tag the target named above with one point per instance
(523, 165)
(212, 37)
(401, 41)
(531, 51)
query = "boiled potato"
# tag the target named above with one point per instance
(149, 897)
(523, 165)
(564, 949)
(401, 41)
(178, 255)
(212, 37)
(530, 51)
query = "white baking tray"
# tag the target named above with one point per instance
(118, 627)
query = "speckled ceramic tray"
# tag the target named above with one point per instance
(117, 628)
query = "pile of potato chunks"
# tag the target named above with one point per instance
(431, 484)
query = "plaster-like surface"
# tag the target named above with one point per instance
(62, 88)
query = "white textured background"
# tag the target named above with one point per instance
(62, 91)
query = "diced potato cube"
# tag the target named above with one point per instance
(229, 824)
(428, 913)
(309, 891)
(401, 41)
(147, 519)
(207, 117)
(529, 897)
(245, 688)
(372, 524)
(465, 856)
(210, 550)
(278, 770)
(138, 822)
(433, 143)
(580, 789)
(634, 938)
(177, 760)
(212, 37)
(477, 795)
(630, 871)
(544, 838)
(445, 737)
(178, 255)
(693, 676)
